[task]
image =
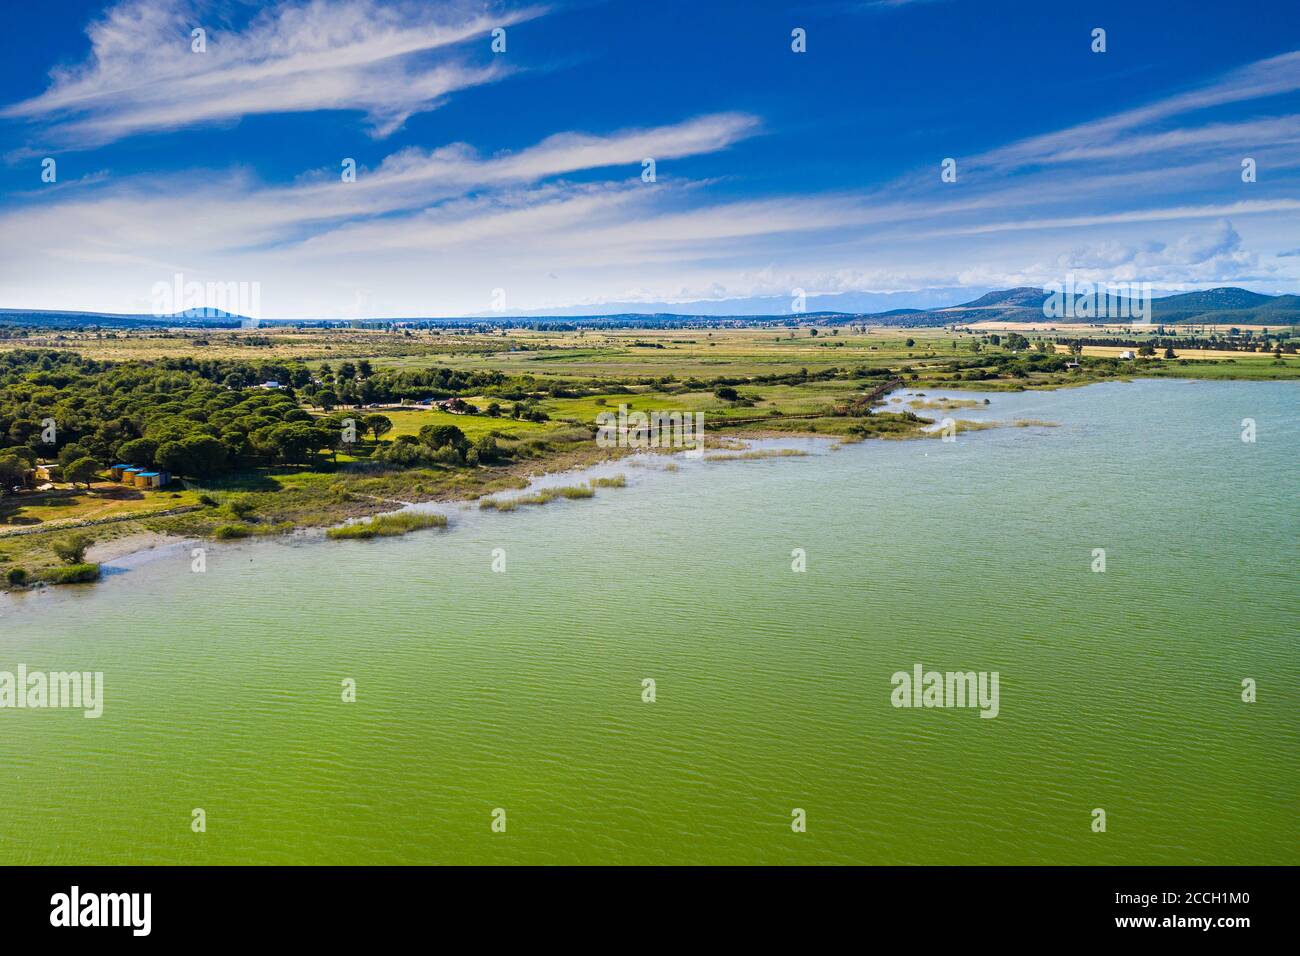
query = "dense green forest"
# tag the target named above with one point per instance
(201, 419)
(57, 405)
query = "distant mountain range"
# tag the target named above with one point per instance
(844, 303)
(59, 319)
(1223, 306)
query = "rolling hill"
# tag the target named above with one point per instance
(1223, 306)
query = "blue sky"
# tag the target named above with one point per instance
(515, 179)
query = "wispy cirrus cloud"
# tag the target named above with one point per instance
(407, 182)
(476, 213)
(386, 60)
(1113, 135)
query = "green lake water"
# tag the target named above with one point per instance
(523, 690)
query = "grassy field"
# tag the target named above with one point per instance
(263, 343)
(621, 354)
(474, 426)
(105, 499)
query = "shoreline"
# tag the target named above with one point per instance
(517, 478)
(451, 491)
(115, 551)
(131, 545)
(126, 549)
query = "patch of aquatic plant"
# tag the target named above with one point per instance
(962, 425)
(887, 425)
(388, 526)
(614, 481)
(539, 497)
(725, 441)
(231, 532)
(947, 404)
(71, 574)
(1028, 422)
(544, 495)
(757, 454)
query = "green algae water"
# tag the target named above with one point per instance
(523, 690)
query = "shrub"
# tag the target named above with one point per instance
(487, 449)
(17, 577)
(72, 549)
(240, 506)
(403, 452)
(446, 455)
(228, 531)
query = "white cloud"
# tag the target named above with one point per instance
(568, 220)
(1157, 214)
(1109, 135)
(1217, 253)
(300, 56)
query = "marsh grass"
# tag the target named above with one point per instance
(757, 454)
(71, 574)
(539, 497)
(948, 404)
(388, 526)
(963, 425)
(229, 532)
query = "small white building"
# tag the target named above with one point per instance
(271, 384)
(1127, 354)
